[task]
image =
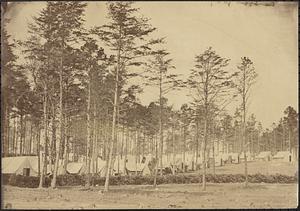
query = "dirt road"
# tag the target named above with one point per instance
(166, 196)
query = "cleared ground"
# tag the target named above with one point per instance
(166, 196)
(254, 167)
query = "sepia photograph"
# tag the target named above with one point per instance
(149, 105)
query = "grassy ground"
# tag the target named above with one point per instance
(166, 196)
(263, 167)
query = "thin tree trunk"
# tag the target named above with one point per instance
(73, 151)
(258, 137)
(205, 130)
(94, 143)
(39, 150)
(88, 146)
(14, 138)
(197, 144)
(161, 155)
(156, 163)
(244, 127)
(126, 150)
(6, 131)
(290, 140)
(30, 140)
(98, 134)
(204, 152)
(66, 145)
(160, 129)
(153, 145)
(136, 150)
(235, 140)
(21, 135)
(113, 120)
(3, 123)
(138, 145)
(213, 151)
(252, 142)
(53, 141)
(129, 142)
(10, 142)
(25, 144)
(45, 137)
(117, 140)
(106, 185)
(143, 146)
(244, 130)
(282, 139)
(184, 148)
(105, 139)
(17, 135)
(246, 169)
(213, 148)
(275, 142)
(25, 141)
(173, 146)
(122, 144)
(60, 125)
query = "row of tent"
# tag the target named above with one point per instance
(229, 158)
(22, 165)
(28, 165)
(285, 156)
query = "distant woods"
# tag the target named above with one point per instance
(69, 95)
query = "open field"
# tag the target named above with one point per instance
(254, 167)
(166, 196)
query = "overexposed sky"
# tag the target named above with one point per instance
(267, 35)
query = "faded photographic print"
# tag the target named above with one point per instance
(149, 104)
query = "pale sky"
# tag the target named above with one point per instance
(267, 35)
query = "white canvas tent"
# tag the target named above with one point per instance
(282, 156)
(224, 157)
(218, 160)
(73, 168)
(189, 161)
(34, 161)
(101, 167)
(140, 168)
(81, 168)
(178, 160)
(265, 156)
(249, 156)
(76, 168)
(294, 154)
(119, 165)
(19, 165)
(165, 161)
(234, 157)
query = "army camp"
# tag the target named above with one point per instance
(149, 105)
